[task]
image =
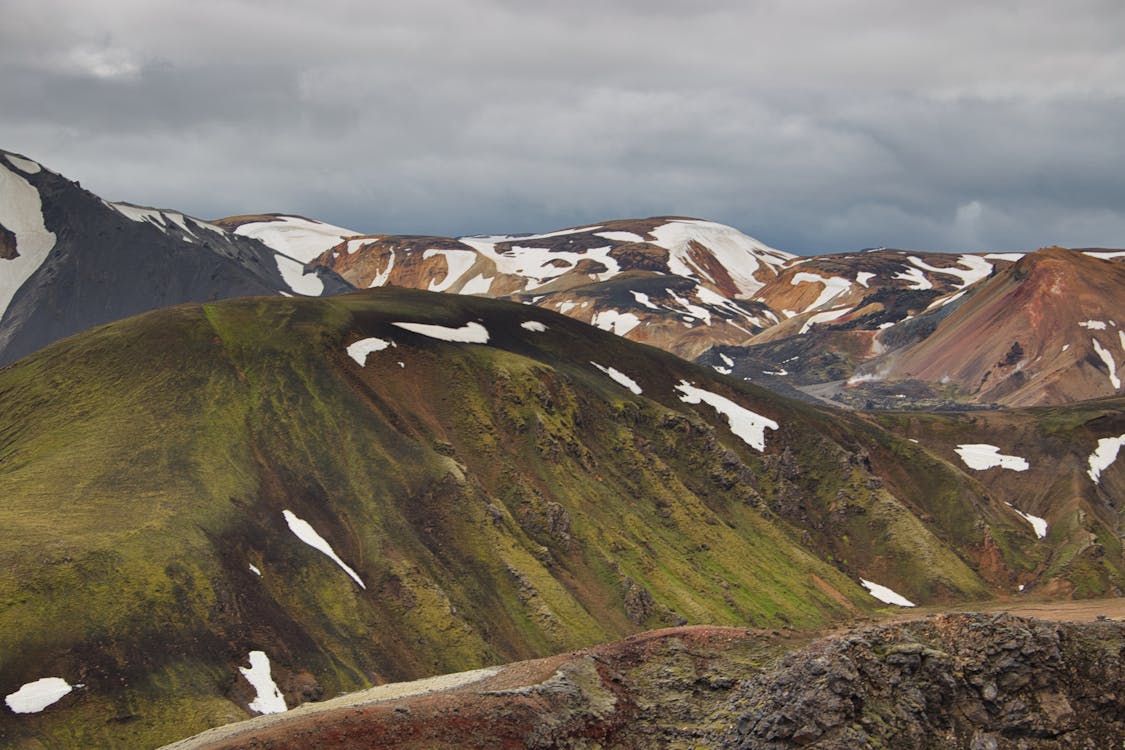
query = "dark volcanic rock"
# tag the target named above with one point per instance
(955, 681)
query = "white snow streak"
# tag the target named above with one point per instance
(1093, 325)
(360, 349)
(470, 333)
(269, 699)
(1010, 257)
(255, 570)
(35, 696)
(863, 277)
(1105, 254)
(916, 278)
(533, 325)
(823, 317)
(1107, 357)
(885, 595)
(974, 268)
(619, 377)
(834, 286)
(642, 298)
(21, 212)
(308, 535)
(981, 456)
(1104, 456)
(1037, 523)
(749, 426)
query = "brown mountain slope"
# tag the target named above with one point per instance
(1046, 330)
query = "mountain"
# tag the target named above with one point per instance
(995, 329)
(799, 325)
(70, 260)
(1044, 330)
(680, 284)
(391, 484)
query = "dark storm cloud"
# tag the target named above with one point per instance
(812, 125)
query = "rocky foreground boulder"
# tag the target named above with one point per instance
(959, 681)
(954, 681)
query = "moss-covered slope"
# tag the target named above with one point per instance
(496, 501)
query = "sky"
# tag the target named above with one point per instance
(813, 126)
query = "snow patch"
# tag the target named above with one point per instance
(619, 377)
(477, 285)
(620, 236)
(1037, 523)
(863, 277)
(970, 268)
(457, 263)
(382, 277)
(823, 317)
(1105, 254)
(748, 425)
(726, 360)
(269, 699)
(35, 696)
(299, 280)
(360, 349)
(1107, 357)
(738, 253)
(643, 299)
(533, 325)
(308, 535)
(1010, 257)
(470, 333)
(885, 595)
(302, 239)
(27, 166)
(615, 321)
(834, 286)
(981, 456)
(255, 570)
(1093, 325)
(917, 279)
(1104, 456)
(693, 310)
(21, 212)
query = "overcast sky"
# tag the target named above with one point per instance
(813, 126)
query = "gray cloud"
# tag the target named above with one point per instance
(814, 126)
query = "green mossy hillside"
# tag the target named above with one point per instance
(498, 501)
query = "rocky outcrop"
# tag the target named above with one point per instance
(954, 681)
